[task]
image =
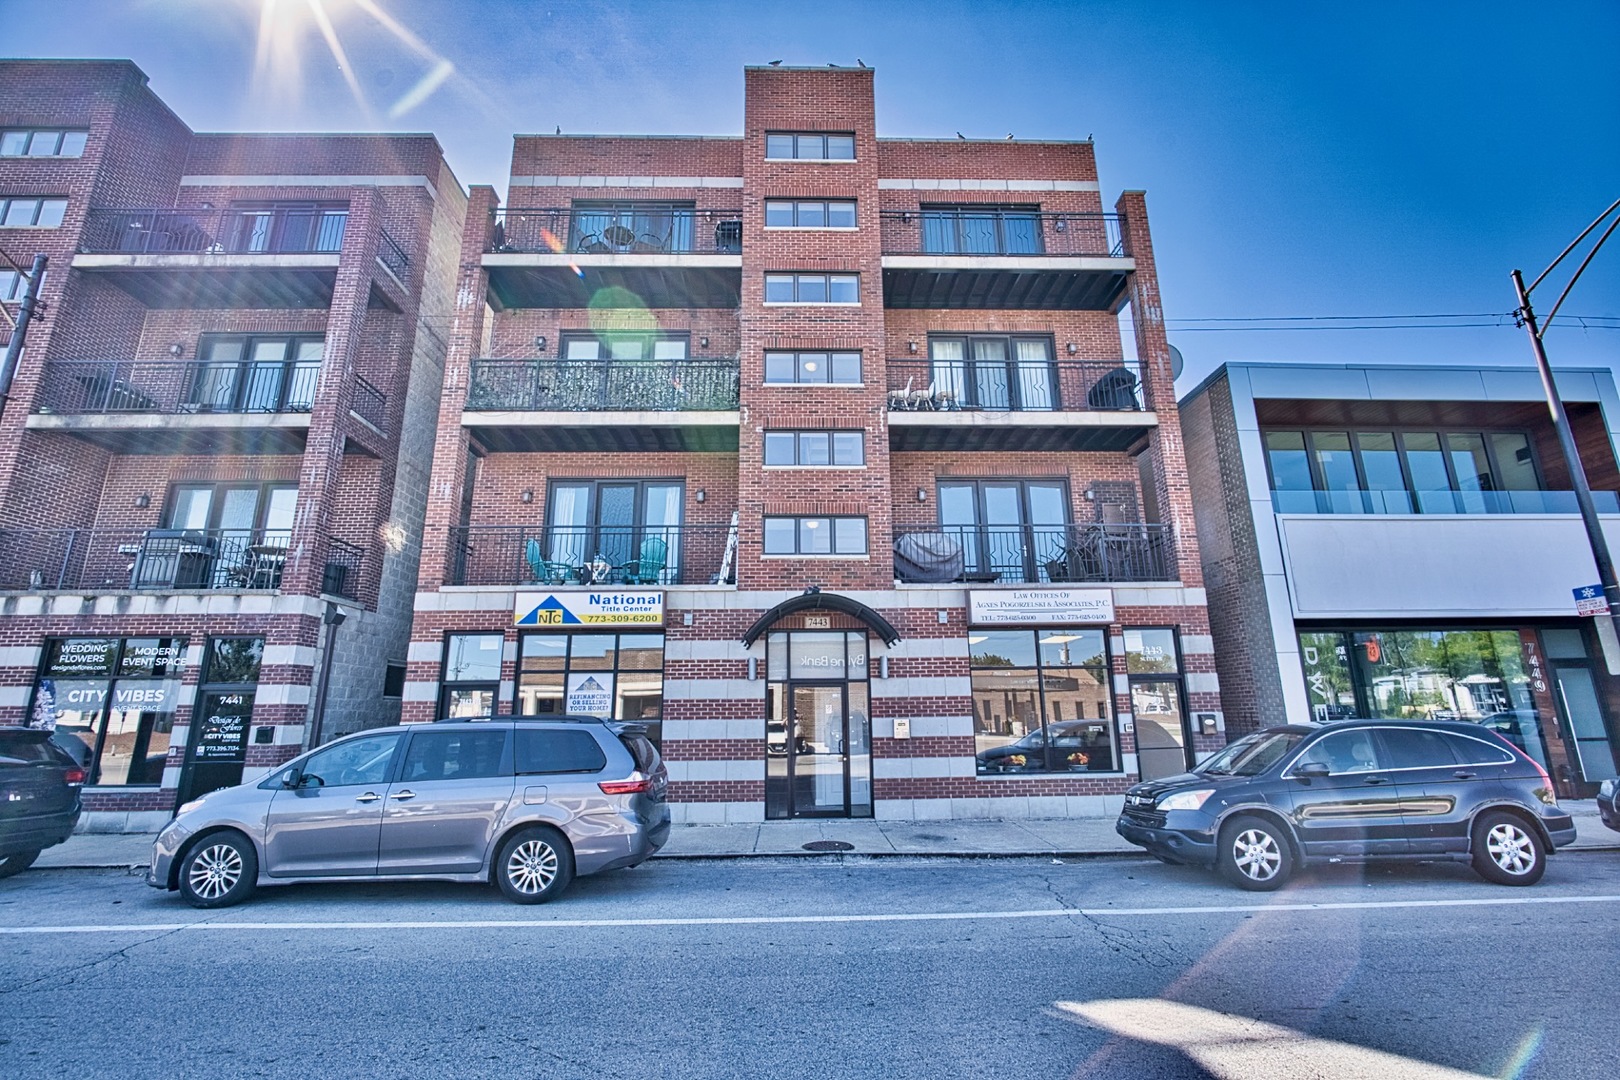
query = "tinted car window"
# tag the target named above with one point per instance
(1415, 748)
(1343, 752)
(29, 749)
(1251, 755)
(357, 761)
(641, 748)
(453, 755)
(1478, 751)
(541, 751)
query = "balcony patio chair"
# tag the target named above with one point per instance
(728, 238)
(648, 566)
(648, 244)
(1115, 389)
(925, 399)
(545, 571)
(593, 244)
(899, 399)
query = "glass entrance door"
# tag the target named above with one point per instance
(1577, 693)
(818, 752)
(818, 728)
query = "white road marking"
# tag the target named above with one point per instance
(780, 920)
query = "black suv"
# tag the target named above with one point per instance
(39, 796)
(1355, 789)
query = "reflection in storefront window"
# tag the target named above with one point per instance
(111, 703)
(1326, 658)
(1441, 674)
(614, 676)
(1041, 701)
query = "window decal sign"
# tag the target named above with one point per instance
(590, 693)
(608, 607)
(1004, 607)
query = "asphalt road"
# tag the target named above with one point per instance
(819, 969)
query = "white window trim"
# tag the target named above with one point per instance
(819, 385)
(824, 558)
(818, 468)
(819, 160)
(812, 303)
(812, 228)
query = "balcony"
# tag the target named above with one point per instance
(1003, 258)
(276, 256)
(944, 405)
(188, 406)
(531, 556)
(1031, 554)
(143, 559)
(661, 256)
(603, 405)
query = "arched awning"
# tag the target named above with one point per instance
(824, 601)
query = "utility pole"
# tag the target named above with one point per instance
(25, 315)
(1560, 419)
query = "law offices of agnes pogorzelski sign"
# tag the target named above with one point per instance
(593, 607)
(1028, 607)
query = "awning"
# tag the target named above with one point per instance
(824, 601)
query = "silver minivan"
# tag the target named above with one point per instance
(525, 803)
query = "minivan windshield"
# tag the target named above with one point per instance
(1251, 755)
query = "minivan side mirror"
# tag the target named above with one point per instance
(1310, 769)
(291, 778)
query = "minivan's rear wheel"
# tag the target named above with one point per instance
(220, 870)
(17, 863)
(534, 865)
(1507, 850)
(1254, 854)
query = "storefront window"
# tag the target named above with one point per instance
(1041, 701)
(1441, 674)
(1158, 707)
(1326, 658)
(472, 675)
(111, 704)
(614, 676)
(223, 716)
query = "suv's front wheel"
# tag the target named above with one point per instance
(220, 870)
(1507, 850)
(1254, 854)
(534, 865)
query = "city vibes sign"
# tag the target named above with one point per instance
(608, 607)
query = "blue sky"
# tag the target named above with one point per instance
(1300, 159)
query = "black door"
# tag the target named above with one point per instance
(1355, 809)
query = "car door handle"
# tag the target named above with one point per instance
(370, 796)
(407, 794)
(1376, 780)
(1463, 774)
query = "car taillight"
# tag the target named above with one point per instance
(75, 776)
(636, 785)
(1545, 793)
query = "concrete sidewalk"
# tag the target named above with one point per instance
(1072, 838)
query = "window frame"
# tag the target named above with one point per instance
(650, 340)
(798, 366)
(832, 521)
(654, 725)
(798, 436)
(1110, 697)
(798, 276)
(29, 133)
(1000, 212)
(39, 202)
(279, 213)
(854, 147)
(243, 380)
(984, 556)
(446, 684)
(825, 204)
(968, 393)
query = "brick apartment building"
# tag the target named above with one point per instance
(218, 434)
(821, 454)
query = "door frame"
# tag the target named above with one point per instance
(1561, 707)
(789, 686)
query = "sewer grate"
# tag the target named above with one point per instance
(829, 845)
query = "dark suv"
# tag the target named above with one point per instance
(39, 796)
(1355, 789)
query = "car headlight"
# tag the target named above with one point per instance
(186, 808)
(1186, 800)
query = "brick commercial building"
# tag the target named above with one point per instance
(217, 438)
(1396, 542)
(821, 454)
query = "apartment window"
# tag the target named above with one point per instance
(602, 228)
(284, 227)
(218, 536)
(812, 289)
(14, 286)
(809, 146)
(603, 531)
(994, 371)
(1009, 530)
(613, 676)
(42, 142)
(32, 213)
(815, 536)
(809, 214)
(624, 346)
(110, 703)
(815, 448)
(1042, 701)
(843, 368)
(982, 230)
(471, 679)
(255, 374)
(1408, 472)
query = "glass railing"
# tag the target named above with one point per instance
(1437, 502)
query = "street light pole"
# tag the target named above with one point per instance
(25, 315)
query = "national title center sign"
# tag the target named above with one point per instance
(607, 607)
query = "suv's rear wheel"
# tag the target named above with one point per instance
(1254, 854)
(534, 865)
(1507, 850)
(221, 869)
(17, 863)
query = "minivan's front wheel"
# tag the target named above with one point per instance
(1254, 854)
(220, 870)
(534, 865)
(1507, 850)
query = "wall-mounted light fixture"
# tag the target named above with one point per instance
(753, 668)
(883, 667)
(701, 495)
(1060, 225)
(527, 496)
(142, 501)
(1072, 348)
(1090, 494)
(540, 342)
(911, 346)
(703, 342)
(922, 494)
(177, 350)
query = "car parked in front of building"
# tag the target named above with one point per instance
(39, 796)
(1608, 803)
(1354, 790)
(527, 804)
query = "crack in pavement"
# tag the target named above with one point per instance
(70, 975)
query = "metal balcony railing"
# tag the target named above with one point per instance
(272, 230)
(621, 229)
(177, 386)
(370, 403)
(1000, 231)
(1029, 554)
(1015, 386)
(611, 385)
(586, 555)
(156, 559)
(341, 576)
(392, 255)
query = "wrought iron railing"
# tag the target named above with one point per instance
(624, 228)
(612, 385)
(157, 559)
(1034, 553)
(344, 561)
(586, 555)
(274, 230)
(177, 386)
(392, 255)
(1000, 231)
(1014, 386)
(370, 404)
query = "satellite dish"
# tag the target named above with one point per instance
(1176, 363)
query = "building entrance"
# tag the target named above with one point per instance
(818, 743)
